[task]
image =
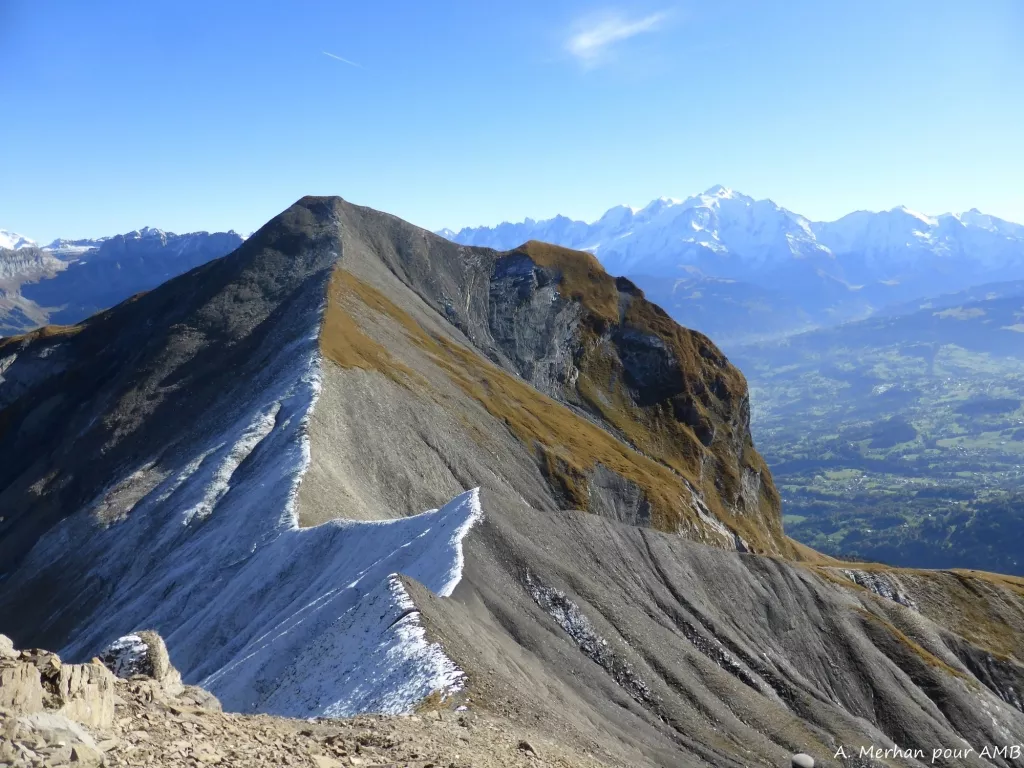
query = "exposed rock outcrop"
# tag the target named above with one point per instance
(37, 681)
(142, 653)
(152, 725)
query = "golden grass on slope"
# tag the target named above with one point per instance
(912, 645)
(344, 342)
(986, 609)
(712, 392)
(568, 446)
(582, 277)
(46, 332)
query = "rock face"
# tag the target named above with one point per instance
(242, 458)
(143, 653)
(36, 681)
(154, 729)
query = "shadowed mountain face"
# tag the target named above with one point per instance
(71, 280)
(238, 457)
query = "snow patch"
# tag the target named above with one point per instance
(882, 585)
(374, 658)
(126, 656)
(220, 483)
(5, 363)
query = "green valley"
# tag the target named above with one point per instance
(900, 439)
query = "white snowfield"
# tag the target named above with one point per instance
(13, 241)
(729, 234)
(266, 615)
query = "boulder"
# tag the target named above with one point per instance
(7, 648)
(86, 693)
(47, 739)
(142, 658)
(800, 760)
(21, 688)
(35, 681)
(142, 653)
(201, 698)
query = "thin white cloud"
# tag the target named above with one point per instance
(592, 39)
(344, 61)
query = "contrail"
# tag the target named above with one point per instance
(345, 61)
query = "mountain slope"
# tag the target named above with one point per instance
(240, 458)
(68, 280)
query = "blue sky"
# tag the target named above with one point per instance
(214, 115)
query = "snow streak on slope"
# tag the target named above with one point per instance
(268, 616)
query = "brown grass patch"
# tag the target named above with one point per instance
(344, 342)
(912, 645)
(986, 609)
(581, 277)
(46, 332)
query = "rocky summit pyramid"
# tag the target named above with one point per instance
(353, 467)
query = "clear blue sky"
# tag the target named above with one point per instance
(213, 115)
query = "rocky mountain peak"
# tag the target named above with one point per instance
(354, 467)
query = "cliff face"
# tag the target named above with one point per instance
(597, 344)
(672, 446)
(273, 460)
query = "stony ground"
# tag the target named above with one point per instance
(150, 729)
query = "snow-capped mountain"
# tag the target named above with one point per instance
(827, 271)
(69, 249)
(722, 232)
(12, 241)
(896, 244)
(728, 234)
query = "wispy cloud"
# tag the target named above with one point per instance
(593, 38)
(343, 61)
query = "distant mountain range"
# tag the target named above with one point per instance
(69, 280)
(12, 241)
(741, 269)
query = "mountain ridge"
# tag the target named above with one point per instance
(69, 280)
(279, 414)
(805, 274)
(709, 198)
